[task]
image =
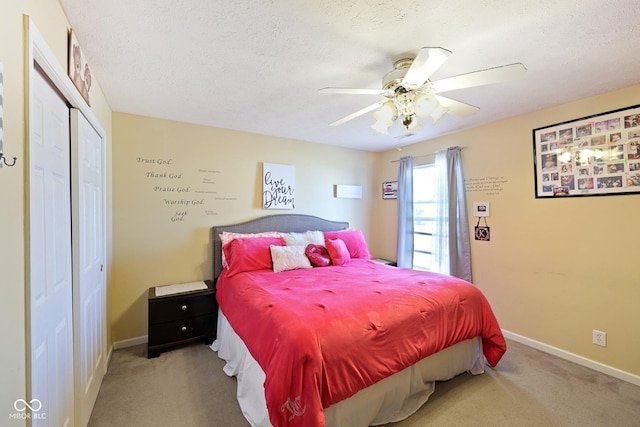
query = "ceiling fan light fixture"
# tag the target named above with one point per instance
(405, 103)
(387, 113)
(437, 114)
(425, 104)
(410, 125)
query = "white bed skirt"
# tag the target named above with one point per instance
(390, 400)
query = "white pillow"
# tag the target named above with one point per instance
(304, 239)
(289, 258)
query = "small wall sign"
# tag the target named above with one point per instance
(278, 186)
(349, 191)
(482, 232)
(390, 190)
(481, 209)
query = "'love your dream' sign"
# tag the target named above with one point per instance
(278, 186)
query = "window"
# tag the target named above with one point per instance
(424, 217)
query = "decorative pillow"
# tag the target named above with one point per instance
(304, 239)
(288, 258)
(226, 238)
(338, 251)
(354, 239)
(250, 254)
(318, 255)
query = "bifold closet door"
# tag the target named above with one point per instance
(89, 276)
(50, 261)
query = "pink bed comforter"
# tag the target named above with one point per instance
(322, 334)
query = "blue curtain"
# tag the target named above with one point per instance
(451, 237)
(405, 213)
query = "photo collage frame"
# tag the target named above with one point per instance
(591, 156)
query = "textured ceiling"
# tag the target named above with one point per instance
(256, 66)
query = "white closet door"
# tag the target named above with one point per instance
(50, 274)
(89, 262)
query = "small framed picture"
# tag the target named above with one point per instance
(390, 190)
(481, 209)
(78, 69)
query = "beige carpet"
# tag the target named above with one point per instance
(186, 387)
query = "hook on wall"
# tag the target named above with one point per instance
(3, 159)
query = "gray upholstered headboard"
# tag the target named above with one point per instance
(284, 223)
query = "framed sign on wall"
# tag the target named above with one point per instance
(390, 190)
(78, 68)
(278, 186)
(592, 156)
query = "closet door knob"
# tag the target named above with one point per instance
(184, 329)
(184, 307)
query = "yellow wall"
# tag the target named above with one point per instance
(555, 269)
(52, 24)
(218, 173)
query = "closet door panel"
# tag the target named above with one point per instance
(89, 261)
(50, 261)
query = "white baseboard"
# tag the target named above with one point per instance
(130, 342)
(108, 361)
(583, 361)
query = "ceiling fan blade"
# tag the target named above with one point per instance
(479, 78)
(429, 59)
(352, 91)
(358, 113)
(457, 108)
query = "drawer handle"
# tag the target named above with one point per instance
(184, 307)
(184, 329)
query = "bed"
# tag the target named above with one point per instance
(355, 344)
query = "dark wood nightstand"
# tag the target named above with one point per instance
(180, 318)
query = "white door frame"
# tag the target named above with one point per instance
(39, 52)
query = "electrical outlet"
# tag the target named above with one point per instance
(600, 338)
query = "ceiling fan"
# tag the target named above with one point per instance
(410, 94)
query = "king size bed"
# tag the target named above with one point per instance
(317, 333)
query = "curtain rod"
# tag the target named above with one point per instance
(424, 155)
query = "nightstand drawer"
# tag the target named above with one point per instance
(182, 330)
(170, 309)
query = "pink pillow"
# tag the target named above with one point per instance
(354, 239)
(250, 254)
(227, 237)
(338, 251)
(318, 255)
